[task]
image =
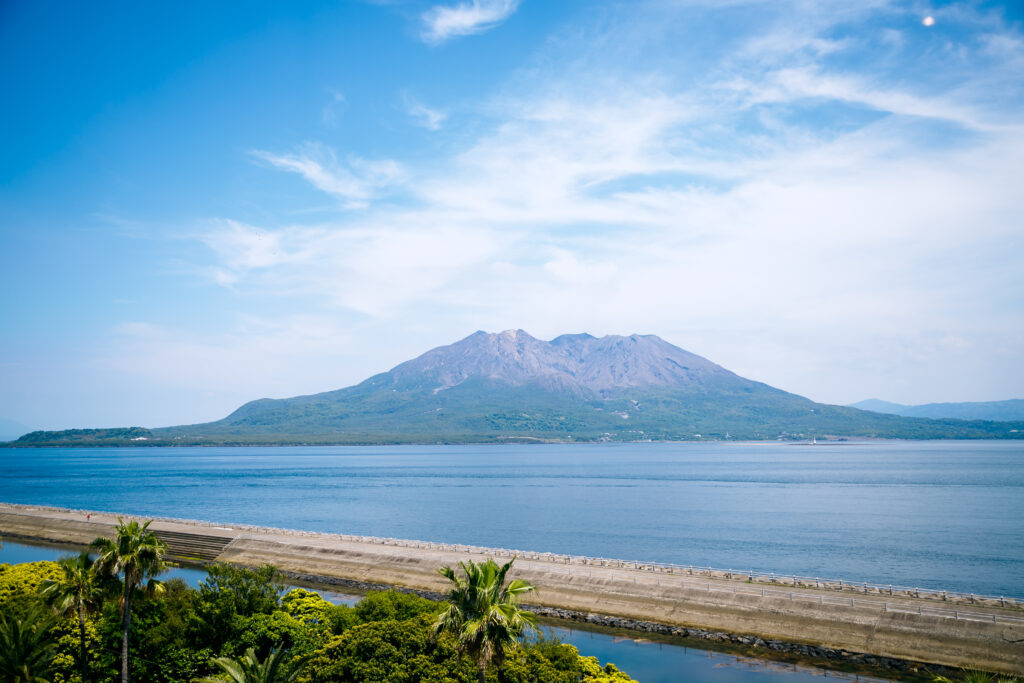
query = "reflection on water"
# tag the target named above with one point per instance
(662, 662)
(645, 660)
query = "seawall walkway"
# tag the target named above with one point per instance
(934, 627)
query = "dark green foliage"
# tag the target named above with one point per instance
(393, 651)
(228, 595)
(162, 640)
(340, 618)
(387, 636)
(483, 612)
(77, 593)
(264, 632)
(86, 437)
(384, 605)
(135, 556)
(27, 645)
(277, 667)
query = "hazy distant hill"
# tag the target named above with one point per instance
(509, 387)
(9, 429)
(1012, 409)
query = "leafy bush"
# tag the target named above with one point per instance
(176, 634)
(384, 605)
(389, 650)
(19, 584)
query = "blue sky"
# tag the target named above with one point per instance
(205, 203)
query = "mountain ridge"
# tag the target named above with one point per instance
(510, 386)
(1007, 410)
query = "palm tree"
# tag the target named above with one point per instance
(27, 646)
(483, 612)
(274, 669)
(977, 676)
(138, 556)
(77, 592)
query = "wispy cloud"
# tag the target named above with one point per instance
(354, 181)
(788, 85)
(775, 214)
(329, 112)
(442, 22)
(424, 116)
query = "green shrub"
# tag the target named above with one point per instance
(384, 605)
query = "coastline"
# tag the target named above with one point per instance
(821, 439)
(649, 598)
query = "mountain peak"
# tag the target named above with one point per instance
(509, 386)
(571, 362)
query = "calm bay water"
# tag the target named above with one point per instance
(932, 514)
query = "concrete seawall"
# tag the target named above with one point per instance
(981, 635)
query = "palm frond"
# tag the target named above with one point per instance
(483, 611)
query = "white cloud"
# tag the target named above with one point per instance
(424, 116)
(442, 22)
(356, 181)
(787, 85)
(838, 261)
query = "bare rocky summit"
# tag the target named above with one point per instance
(577, 363)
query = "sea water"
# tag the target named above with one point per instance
(933, 514)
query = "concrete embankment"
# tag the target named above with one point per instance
(811, 620)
